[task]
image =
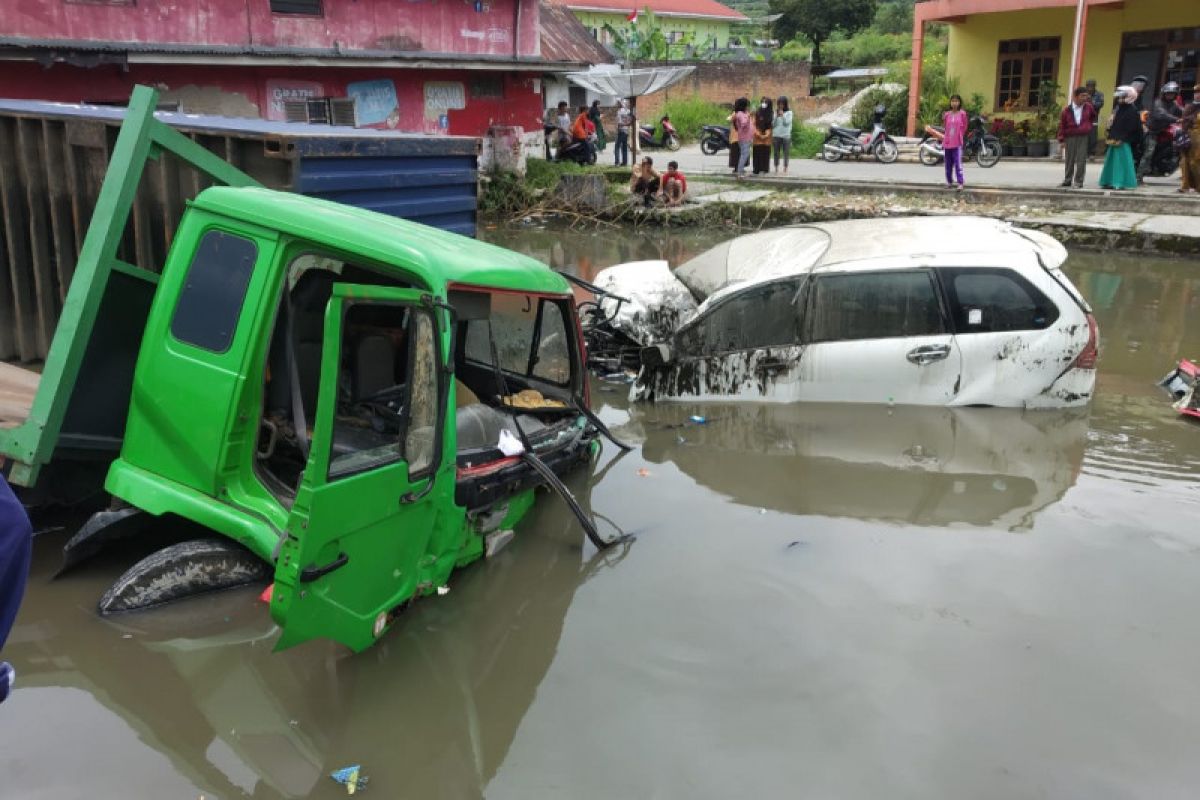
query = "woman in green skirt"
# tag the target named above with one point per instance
(594, 116)
(1124, 126)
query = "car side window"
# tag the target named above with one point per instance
(764, 316)
(875, 305)
(995, 300)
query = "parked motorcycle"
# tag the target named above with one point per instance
(668, 141)
(978, 144)
(714, 139)
(578, 152)
(1166, 157)
(853, 142)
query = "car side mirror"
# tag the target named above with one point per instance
(656, 355)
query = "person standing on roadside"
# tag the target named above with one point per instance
(954, 125)
(16, 543)
(1075, 128)
(781, 132)
(594, 114)
(624, 121)
(761, 155)
(1189, 151)
(1124, 128)
(1097, 98)
(744, 124)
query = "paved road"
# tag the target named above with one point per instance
(1006, 174)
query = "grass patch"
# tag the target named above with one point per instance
(508, 194)
(690, 114)
(806, 140)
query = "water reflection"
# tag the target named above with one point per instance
(925, 466)
(433, 708)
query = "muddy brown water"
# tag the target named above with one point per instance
(820, 602)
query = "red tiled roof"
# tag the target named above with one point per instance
(679, 8)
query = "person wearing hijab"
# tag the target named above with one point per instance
(1124, 127)
(764, 118)
(594, 116)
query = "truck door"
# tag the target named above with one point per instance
(368, 501)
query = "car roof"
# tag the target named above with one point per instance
(882, 243)
(437, 258)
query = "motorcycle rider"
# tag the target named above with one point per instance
(1165, 113)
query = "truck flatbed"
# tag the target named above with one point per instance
(17, 389)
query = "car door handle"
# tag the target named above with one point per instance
(928, 353)
(310, 574)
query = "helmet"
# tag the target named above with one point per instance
(1170, 87)
(1142, 79)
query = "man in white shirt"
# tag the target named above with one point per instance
(624, 124)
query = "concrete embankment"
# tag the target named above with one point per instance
(1083, 219)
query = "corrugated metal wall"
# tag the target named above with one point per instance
(53, 159)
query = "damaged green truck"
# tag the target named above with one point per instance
(343, 402)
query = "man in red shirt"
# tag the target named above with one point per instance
(674, 184)
(1074, 128)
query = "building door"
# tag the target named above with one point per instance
(1142, 61)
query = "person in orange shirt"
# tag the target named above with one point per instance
(583, 129)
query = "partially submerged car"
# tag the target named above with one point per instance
(961, 311)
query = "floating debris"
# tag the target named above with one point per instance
(351, 777)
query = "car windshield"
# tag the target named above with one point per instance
(530, 336)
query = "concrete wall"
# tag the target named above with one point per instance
(724, 82)
(248, 91)
(484, 28)
(974, 43)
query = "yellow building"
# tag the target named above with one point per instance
(1003, 49)
(700, 21)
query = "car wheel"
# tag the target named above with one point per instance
(828, 153)
(886, 151)
(709, 146)
(672, 143)
(989, 154)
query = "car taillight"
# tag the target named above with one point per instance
(1087, 356)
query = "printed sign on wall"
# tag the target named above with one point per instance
(375, 103)
(282, 91)
(440, 98)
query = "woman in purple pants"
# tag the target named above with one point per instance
(16, 542)
(954, 123)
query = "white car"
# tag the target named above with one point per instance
(959, 311)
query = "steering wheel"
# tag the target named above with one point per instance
(383, 405)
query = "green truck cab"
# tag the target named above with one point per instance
(354, 403)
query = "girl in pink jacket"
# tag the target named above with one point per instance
(954, 122)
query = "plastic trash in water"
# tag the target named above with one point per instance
(696, 419)
(267, 594)
(351, 777)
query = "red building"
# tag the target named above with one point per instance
(437, 66)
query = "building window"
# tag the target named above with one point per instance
(1021, 67)
(487, 86)
(310, 8)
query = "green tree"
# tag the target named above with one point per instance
(895, 16)
(816, 20)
